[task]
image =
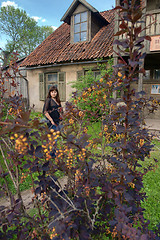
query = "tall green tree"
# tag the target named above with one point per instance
(23, 32)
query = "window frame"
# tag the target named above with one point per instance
(60, 83)
(80, 31)
(82, 73)
(157, 91)
(154, 74)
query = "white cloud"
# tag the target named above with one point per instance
(9, 3)
(36, 18)
(54, 28)
(39, 19)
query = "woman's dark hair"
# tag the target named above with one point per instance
(54, 88)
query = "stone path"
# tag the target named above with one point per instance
(27, 196)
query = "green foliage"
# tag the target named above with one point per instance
(89, 102)
(152, 187)
(88, 79)
(23, 32)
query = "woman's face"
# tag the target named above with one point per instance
(53, 93)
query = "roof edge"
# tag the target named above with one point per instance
(73, 6)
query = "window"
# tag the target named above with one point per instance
(46, 80)
(96, 74)
(80, 27)
(137, 3)
(155, 89)
(147, 75)
(156, 74)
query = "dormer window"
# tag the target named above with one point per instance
(80, 27)
(84, 20)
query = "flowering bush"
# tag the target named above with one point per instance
(87, 98)
(103, 190)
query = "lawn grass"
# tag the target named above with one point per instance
(151, 181)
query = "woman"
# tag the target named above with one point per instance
(52, 108)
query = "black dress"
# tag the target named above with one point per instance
(52, 108)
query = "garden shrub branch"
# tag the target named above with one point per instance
(99, 201)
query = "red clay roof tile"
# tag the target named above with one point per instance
(57, 48)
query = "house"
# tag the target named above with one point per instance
(150, 83)
(84, 39)
(20, 85)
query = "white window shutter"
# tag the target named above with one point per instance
(42, 94)
(62, 86)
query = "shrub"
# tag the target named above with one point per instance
(87, 101)
(103, 191)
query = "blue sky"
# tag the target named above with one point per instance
(49, 12)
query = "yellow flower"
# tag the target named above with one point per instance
(101, 80)
(141, 142)
(80, 113)
(85, 130)
(71, 121)
(119, 74)
(110, 83)
(132, 185)
(105, 128)
(104, 97)
(114, 128)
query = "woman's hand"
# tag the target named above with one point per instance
(53, 123)
(49, 118)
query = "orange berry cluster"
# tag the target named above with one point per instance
(141, 142)
(43, 197)
(85, 130)
(70, 157)
(71, 121)
(132, 185)
(21, 144)
(114, 232)
(14, 112)
(91, 144)
(107, 134)
(87, 190)
(67, 154)
(53, 234)
(48, 146)
(23, 178)
(82, 154)
(78, 176)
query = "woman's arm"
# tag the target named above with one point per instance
(49, 118)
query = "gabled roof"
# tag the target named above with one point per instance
(66, 17)
(56, 48)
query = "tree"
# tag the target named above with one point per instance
(23, 32)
